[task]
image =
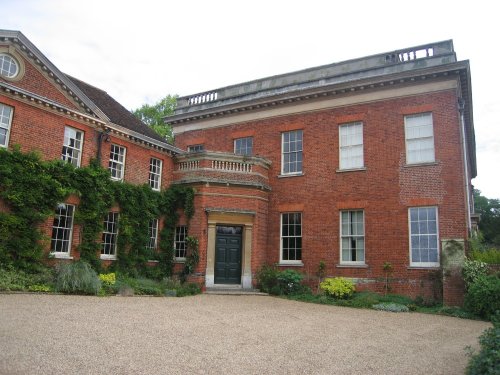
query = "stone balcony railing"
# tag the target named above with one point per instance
(222, 168)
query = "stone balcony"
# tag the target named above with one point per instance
(222, 168)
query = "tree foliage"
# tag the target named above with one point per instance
(489, 224)
(153, 115)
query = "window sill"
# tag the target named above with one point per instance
(291, 264)
(180, 260)
(153, 261)
(351, 170)
(426, 164)
(290, 175)
(60, 256)
(108, 257)
(435, 267)
(351, 265)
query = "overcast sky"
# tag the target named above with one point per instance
(140, 51)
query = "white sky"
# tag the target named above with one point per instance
(140, 51)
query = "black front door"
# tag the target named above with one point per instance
(228, 255)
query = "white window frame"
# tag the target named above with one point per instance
(417, 141)
(300, 150)
(6, 121)
(347, 145)
(246, 141)
(196, 148)
(350, 235)
(155, 169)
(116, 164)
(13, 62)
(179, 243)
(113, 235)
(294, 261)
(67, 145)
(67, 231)
(153, 235)
(423, 264)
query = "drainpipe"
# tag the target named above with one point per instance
(102, 135)
(461, 109)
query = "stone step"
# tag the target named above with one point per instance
(235, 292)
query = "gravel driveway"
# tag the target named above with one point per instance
(212, 334)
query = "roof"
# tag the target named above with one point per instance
(96, 106)
(116, 113)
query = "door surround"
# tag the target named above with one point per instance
(244, 219)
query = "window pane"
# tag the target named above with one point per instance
(292, 152)
(424, 238)
(291, 236)
(419, 135)
(352, 236)
(62, 228)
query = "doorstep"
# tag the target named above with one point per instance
(232, 289)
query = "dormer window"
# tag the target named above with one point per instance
(9, 67)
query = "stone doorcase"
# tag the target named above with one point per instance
(244, 219)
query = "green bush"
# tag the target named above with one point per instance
(17, 280)
(188, 289)
(391, 306)
(487, 361)
(78, 278)
(472, 270)
(289, 282)
(482, 297)
(267, 279)
(142, 286)
(490, 256)
(338, 287)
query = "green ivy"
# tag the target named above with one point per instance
(31, 189)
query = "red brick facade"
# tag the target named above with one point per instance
(384, 190)
(251, 192)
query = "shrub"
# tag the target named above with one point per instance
(482, 297)
(40, 288)
(472, 270)
(77, 277)
(14, 279)
(188, 289)
(487, 361)
(267, 279)
(490, 256)
(338, 287)
(107, 279)
(391, 306)
(289, 282)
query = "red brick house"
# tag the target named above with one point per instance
(61, 117)
(357, 164)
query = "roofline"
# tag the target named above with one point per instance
(299, 71)
(19, 37)
(29, 96)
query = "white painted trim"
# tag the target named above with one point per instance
(7, 134)
(352, 263)
(291, 262)
(424, 264)
(354, 123)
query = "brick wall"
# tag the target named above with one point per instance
(385, 190)
(36, 128)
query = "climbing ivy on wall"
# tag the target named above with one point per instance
(30, 189)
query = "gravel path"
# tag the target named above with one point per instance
(212, 334)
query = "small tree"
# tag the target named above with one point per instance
(153, 115)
